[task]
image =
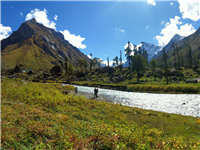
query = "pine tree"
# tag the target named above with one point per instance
(190, 56)
(120, 58)
(128, 55)
(187, 55)
(174, 54)
(66, 67)
(108, 61)
(177, 52)
(164, 58)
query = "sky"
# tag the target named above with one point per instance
(103, 28)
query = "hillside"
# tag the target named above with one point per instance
(193, 41)
(37, 47)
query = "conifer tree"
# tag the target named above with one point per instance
(190, 56)
(108, 61)
(164, 58)
(174, 54)
(128, 54)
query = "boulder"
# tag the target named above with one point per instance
(56, 70)
(175, 78)
(80, 74)
(66, 92)
(173, 72)
(159, 71)
(45, 75)
(191, 81)
(19, 68)
(36, 80)
(30, 72)
(13, 76)
(117, 79)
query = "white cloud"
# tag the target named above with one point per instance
(41, 17)
(151, 2)
(73, 39)
(190, 10)
(162, 22)
(4, 32)
(55, 17)
(147, 27)
(21, 13)
(119, 33)
(171, 3)
(171, 28)
(90, 57)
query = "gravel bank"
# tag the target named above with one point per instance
(91, 96)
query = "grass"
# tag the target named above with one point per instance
(40, 116)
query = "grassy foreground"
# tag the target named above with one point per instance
(40, 116)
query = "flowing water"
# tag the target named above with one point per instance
(185, 104)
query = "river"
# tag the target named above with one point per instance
(184, 104)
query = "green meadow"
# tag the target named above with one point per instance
(40, 116)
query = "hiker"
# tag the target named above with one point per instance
(95, 92)
(76, 90)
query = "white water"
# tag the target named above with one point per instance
(170, 103)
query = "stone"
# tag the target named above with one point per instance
(56, 70)
(19, 68)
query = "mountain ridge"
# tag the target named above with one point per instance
(44, 47)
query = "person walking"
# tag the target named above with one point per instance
(95, 92)
(76, 90)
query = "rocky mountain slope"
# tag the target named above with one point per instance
(37, 47)
(192, 40)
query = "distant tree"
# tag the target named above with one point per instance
(181, 60)
(139, 51)
(164, 58)
(120, 58)
(90, 61)
(153, 64)
(82, 63)
(190, 56)
(108, 61)
(174, 54)
(177, 52)
(135, 50)
(70, 69)
(99, 62)
(128, 54)
(115, 61)
(66, 66)
(138, 64)
(187, 54)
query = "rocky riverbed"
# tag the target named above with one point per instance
(91, 96)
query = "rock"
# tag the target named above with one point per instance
(66, 92)
(56, 70)
(159, 72)
(117, 79)
(45, 75)
(30, 72)
(19, 68)
(191, 81)
(80, 74)
(13, 76)
(3, 77)
(36, 80)
(174, 78)
(173, 72)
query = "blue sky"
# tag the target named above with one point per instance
(103, 28)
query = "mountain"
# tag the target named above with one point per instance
(151, 49)
(37, 47)
(174, 39)
(192, 40)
